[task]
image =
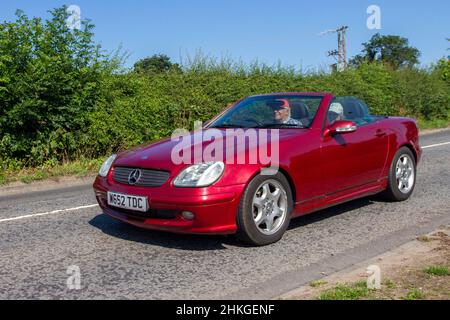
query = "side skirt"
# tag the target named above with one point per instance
(330, 200)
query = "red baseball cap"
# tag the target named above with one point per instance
(281, 104)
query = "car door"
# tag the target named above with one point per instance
(354, 159)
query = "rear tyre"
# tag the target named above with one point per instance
(402, 176)
(265, 210)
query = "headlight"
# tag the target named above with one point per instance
(104, 169)
(200, 175)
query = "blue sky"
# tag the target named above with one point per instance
(267, 30)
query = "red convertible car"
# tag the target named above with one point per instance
(325, 150)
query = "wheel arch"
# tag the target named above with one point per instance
(291, 183)
(288, 177)
(411, 148)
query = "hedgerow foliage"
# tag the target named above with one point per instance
(61, 99)
(50, 80)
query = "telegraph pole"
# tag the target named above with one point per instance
(341, 53)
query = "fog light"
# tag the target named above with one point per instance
(188, 215)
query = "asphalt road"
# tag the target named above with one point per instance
(116, 261)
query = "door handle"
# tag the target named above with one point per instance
(380, 134)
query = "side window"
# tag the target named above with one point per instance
(352, 109)
(366, 116)
(335, 112)
(364, 108)
(356, 111)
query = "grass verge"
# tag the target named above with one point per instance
(79, 168)
(414, 294)
(437, 271)
(417, 270)
(354, 291)
(433, 124)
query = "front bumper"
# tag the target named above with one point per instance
(215, 208)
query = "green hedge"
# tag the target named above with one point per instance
(61, 100)
(131, 109)
(139, 108)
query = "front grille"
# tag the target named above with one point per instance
(149, 178)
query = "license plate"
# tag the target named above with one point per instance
(129, 202)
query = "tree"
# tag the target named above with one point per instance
(49, 79)
(158, 63)
(392, 50)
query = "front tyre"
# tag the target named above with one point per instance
(265, 210)
(402, 176)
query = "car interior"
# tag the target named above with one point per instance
(350, 109)
(300, 111)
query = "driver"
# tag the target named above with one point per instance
(282, 113)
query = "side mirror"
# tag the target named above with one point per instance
(340, 127)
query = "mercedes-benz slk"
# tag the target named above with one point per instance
(323, 150)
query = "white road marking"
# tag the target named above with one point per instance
(47, 213)
(436, 145)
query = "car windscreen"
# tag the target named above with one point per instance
(290, 111)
